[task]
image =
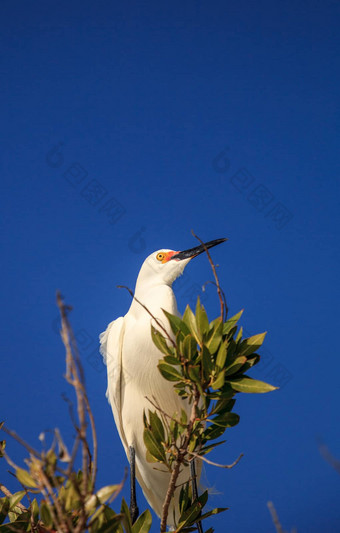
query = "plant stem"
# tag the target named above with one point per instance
(179, 460)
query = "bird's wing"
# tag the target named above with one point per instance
(111, 346)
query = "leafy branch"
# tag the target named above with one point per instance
(64, 498)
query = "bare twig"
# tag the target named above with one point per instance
(8, 494)
(75, 376)
(329, 457)
(8, 459)
(159, 324)
(275, 517)
(21, 441)
(216, 464)
(155, 404)
(222, 293)
(223, 305)
(63, 519)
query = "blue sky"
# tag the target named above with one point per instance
(126, 125)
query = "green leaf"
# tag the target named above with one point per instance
(156, 426)
(35, 510)
(213, 512)
(189, 347)
(19, 522)
(110, 526)
(126, 517)
(239, 334)
(190, 321)
(201, 318)
(14, 515)
(173, 426)
(143, 523)
(213, 432)
(235, 365)
(189, 516)
(4, 507)
(25, 478)
(231, 322)
(206, 361)
(224, 405)
(207, 449)
(16, 498)
(184, 498)
(72, 498)
(203, 498)
(227, 420)
(251, 362)
(45, 514)
(184, 418)
(176, 323)
(219, 381)
(250, 345)
(250, 385)
(171, 360)
(169, 372)
(102, 496)
(221, 355)
(194, 374)
(215, 336)
(160, 341)
(154, 446)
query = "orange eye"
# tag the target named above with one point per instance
(160, 257)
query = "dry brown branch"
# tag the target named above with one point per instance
(7, 457)
(155, 404)
(63, 520)
(329, 457)
(216, 464)
(223, 305)
(8, 494)
(159, 324)
(75, 376)
(21, 441)
(222, 294)
(275, 517)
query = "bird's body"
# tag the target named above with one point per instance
(133, 376)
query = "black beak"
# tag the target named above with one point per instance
(193, 252)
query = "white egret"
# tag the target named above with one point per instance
(131, 358)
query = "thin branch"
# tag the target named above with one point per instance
(155, 404)
(113, 497)
(275, 517)
(8, 459)
(50, 507)
(75, 376)
(219, 291)
(216, 464)
(21, 441)
(8, 494)
(222, 293)
(159, 324)
(94, 442)
(329, 457)
(179, 460)
(64, 520)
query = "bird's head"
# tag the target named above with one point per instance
(164, 266)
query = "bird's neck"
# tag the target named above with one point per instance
(154, 298)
